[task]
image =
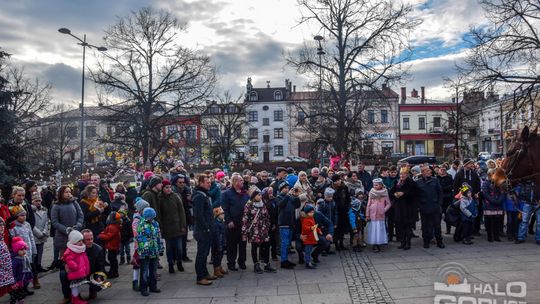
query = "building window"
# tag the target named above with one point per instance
(91, 131)
(436, 122)
(232, 109)
(214, 109)
(253, 116)
(53, 132)
(191, 133)
(72, 132)
(421, 123)
(278, 133)
(371, 116)
(171, 130)
(278, 95)
(253, 133)
(266, 121)
(451, 122)
(266, 138)
(253, 96)
(109, 131)
(253, 150)
(406, 125)
(301, 118)
(278, 150)
(384, 116)
(212, 132)
(368, 148)
(278, 115)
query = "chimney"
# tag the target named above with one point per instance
(294, 88)
(403, 94)
(268, 83)
(422, 95)
(414, 93)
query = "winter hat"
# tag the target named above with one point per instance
(178, 163)
(415, 170)
(329, 192)
(17, 210)
(166, 182)
(308, 208)
(467, 161)
(253, 191)
(17, 244)
(378, 181)
(154, 181)
(149, 213)
(36, 196)
(218, 211)
(290, 170)
(114, 218)
(335, 178)
(355, 204)
(303, 198)
(358, 191)
(148, 175)
(282, 185)
(220, 175)
(74, 237)
(140, 204)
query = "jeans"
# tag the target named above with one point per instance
(125, 249)
(307, 253)
(112, 255)
(431, 226)
(236, 248)
(204, 241)
(174, 250)
(148, 273)
(528, 211)
(285, 234)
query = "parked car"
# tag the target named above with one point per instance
(419, 159)
(394, 157)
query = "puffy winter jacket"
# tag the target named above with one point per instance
(233, 204)
(111, 237)
(77, 264)
(287, 205)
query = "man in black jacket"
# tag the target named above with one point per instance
(203, 228)
(430, 199)
(468, 175)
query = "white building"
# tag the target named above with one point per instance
(268, 122)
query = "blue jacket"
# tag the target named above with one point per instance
(328, 209)
(287, 205)
(215, 195)
(429, 195)
(366, 179)
(325, 224)
(511, 205)
(355, 216)
(469, 210)
(233, 204)
(493, 198)
(202, 211)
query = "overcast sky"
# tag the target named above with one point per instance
(245, 38)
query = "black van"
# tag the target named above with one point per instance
(419, 159)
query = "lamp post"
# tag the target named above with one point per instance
(84, 44)
(320, 52)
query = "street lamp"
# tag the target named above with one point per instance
(320, 52)
(84, 44)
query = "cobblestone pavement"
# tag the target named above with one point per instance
(393, 276)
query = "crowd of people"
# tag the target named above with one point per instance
(95, 228)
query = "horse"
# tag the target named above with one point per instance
(522, 161)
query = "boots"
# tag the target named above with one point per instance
(180, 266)
(171, 268)
(257, 268)
(218, 273)
(77, 300)
(301, 258)
(440, 243)
(403, 243)
(135, 285)
(223, 271)
(269, 268)
(128, 260)
(35, 283)
(122, 260)
(407, 243)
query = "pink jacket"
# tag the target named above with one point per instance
(77, 264)
(377, 207)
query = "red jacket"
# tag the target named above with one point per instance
(77, 264)
(307, 233)
(111, 237)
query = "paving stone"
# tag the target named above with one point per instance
(288, 299)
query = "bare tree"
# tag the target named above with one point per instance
(153, 75)
(506, 52)
(57, 138)
(224, 121)
(366, 44)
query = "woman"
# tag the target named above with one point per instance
(66, 215)
(405, 208)
(271, 204)
(18, 195)
(120, 188)
(493, 208)
(94, 210)
(303, 184)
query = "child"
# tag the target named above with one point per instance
(310, 234)
(126, 235)
(22, 270)
(140, 205)
(6, 270)
(255, 230)
(40, 231)
(357, 220)
(77, 265)
(469, 212)
(149, 248)
(111, 238)
(378, 204)
(218, 241)
(22, 229)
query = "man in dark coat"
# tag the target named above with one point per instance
(203, 229)
(342, 198)
(233, 201)
(365, 177)
(447, 186)
(468, 175)
(430, 197)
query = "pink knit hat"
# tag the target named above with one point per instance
(17, 244)
(148, 175)
(220, 175)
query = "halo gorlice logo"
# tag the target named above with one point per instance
(452, 287)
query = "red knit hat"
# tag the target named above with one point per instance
(166, 182)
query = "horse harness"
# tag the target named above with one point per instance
(512, 164)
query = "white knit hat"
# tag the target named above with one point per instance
(74, 237)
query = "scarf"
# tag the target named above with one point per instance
(375, 194)
(77, 248)
(258, 204)
(91, 203)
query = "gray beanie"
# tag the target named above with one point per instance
(140, 204)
